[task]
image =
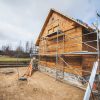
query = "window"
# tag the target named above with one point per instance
(52, 18)
(50, 31)
(55, 28)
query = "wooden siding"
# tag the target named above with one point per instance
(70, 40)
(87, 63)
(90, 37)
(66, 45)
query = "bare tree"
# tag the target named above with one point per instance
(27, 48)
(31, 48)
(6, 48)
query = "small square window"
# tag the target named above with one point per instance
(52, 18)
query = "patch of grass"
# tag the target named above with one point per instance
(6, 58)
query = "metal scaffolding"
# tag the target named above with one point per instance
(59, 56)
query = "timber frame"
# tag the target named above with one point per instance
(84, 48)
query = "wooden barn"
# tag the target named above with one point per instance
(66, 45)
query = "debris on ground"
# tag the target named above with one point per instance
(37, 87)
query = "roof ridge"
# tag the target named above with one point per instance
(79, 21)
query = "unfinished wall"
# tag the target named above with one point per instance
(91, 38)
(65, 44)
(70, 40)
(87, 63)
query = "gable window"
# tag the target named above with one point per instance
(55, 28)
(52, 18)
(50, 31)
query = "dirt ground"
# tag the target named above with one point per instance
(38, 87)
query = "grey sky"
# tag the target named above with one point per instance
(23, 19)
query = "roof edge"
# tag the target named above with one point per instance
(47, 19)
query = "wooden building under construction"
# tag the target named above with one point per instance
(67, 45)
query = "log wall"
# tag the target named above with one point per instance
(65, 44)
(69, 41)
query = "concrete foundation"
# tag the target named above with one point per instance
(67, 77)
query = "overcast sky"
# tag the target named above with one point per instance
(22, 20)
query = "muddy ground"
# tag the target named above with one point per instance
(38, 87)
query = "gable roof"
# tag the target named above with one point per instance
(79, 22)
